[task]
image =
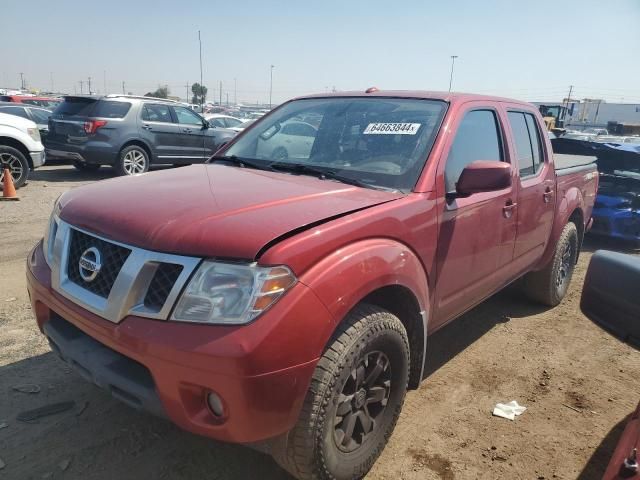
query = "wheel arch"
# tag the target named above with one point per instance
(18, 145)
(139, 143)
(381, 272)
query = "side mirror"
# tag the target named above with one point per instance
(610, 294)
(206, 124)
(484, 176)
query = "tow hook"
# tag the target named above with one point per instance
(630, 464)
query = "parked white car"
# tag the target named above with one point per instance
(293, 140)
(21, 148)
(223, 121)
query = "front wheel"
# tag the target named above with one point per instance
(133, 160)
(354, 400)
(17, 164)
(550, 285)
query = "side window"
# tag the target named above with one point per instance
(536, 144)
(111, 109)
(217, 122)
(156, 113)
(186, 116)
(477, 138)
(232, 122)
(527, 140)
(17, 111)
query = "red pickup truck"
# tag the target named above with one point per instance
(282, 294)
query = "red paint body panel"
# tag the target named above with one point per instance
(341, 241)
(629, 440)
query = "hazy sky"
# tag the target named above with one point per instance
(524, 49)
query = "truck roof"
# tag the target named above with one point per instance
(451, 97)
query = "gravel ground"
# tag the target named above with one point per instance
(578, 383)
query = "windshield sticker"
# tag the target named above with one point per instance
(392, 129)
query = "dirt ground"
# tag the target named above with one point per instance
(577, 383)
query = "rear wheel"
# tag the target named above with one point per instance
(86, 167)
(16, 162)
(133, 160)
(549, 285)
(354, 400)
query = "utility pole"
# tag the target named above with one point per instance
(566, 110)
(51, 75)
(89, 85)
(453, 61)
(271, 87)
(104, 81)
(220, 92)
(187, 91)
(235, 91)
(227, 99)
(21, 81)
(123, 88)
(201, 81)
(81, 84)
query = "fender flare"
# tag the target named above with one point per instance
(571, 201)
(344, 278)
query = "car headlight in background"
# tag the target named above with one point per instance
(34, 133)
(231, 294)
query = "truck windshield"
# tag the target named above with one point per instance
(378, 142)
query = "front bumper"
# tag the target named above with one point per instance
(38, 158)
(261, 371)
(620, 224)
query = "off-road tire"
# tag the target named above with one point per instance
(7, 153)
(121, 164)
(86, 167)
(310, 451)
(544, 286)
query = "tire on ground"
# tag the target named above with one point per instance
(12, 154)
(317, 447)
(550, 285)
(127, 154)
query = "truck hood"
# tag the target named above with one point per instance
(211, 210)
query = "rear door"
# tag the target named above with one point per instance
(536, 196)
(477, 233)
(190, 135)
(158, 128)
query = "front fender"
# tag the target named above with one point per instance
(341, 280)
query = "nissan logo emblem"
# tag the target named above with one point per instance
(90, 264)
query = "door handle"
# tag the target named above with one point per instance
(509, 207)
(186, 130)
(547, 195)
(147, 127)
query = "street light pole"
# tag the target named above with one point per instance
(201, 85)
(271, 87)
(453, 60)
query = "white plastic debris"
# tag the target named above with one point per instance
(508, 410)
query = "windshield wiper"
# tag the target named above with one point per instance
(240, 161)
(323, 174)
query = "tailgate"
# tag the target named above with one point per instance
(66, 124)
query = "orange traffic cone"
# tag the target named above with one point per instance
(8, 190)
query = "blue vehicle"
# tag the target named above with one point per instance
(616, 212)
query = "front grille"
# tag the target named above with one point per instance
(112, 258)
(161, 285)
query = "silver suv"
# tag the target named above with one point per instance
(130, 133)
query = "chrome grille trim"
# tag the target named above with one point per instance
(130, 287)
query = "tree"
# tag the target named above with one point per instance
(199, 93)
(161, 92)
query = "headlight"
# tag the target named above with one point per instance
(50, 232)
(34, 133)
(231, 294)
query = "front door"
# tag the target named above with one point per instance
(191, 136)
(477, 233)
(536, 196)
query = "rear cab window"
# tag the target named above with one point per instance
(528, 145)
(477, 138)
